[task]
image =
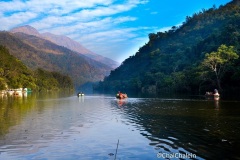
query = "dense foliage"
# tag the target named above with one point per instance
(173, 60)
(14, 74)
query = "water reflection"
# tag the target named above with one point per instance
(81, 99)
(12, 108)
(121, 103)
(216, 103)
(53, 126)
(187, 126)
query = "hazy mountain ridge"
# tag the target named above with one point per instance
(27, 30)
(36, 52)
(66, 42)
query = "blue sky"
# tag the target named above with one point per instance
(113, 28)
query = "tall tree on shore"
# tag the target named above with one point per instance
(219, 60)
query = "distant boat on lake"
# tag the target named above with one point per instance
(120, 95)
(80, 94)
(214, 94)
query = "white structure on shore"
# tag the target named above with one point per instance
(14, 92)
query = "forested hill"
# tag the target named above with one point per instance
(36, 52)
(66, 42)
(14, 74)
(176, 60)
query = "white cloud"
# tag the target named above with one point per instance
(16, 19)
(97, 24)
(119, 42)
(69, 11)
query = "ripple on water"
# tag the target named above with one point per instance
(88, 128)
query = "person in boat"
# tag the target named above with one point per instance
(120, 94)
(216, 92)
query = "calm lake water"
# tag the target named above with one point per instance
(65, 127)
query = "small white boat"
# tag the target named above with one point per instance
(80, 94)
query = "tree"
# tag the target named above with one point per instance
(219, 60)
(2, 84)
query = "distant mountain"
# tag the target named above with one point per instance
(66, 42)
(14, 74)
(172, 60)
(27, 30)
(36, 53)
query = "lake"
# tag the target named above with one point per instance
(60, 126)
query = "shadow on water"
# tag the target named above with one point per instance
(210, 129)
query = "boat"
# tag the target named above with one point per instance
(212, 95)
(80, 94)
(121, 95)
(17, 92)
(10, 92)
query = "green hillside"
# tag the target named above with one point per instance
(174, 60)
(14, 74)
(35, 53)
